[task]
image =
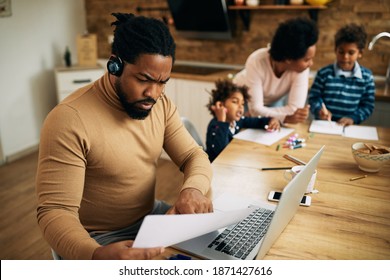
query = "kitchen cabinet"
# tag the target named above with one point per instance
(191, 98)
(68, 79)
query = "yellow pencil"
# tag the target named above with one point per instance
(357, 178)
(294, 159)
(327, 113)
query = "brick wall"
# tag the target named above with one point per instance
(374, 14)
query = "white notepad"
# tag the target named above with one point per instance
(262, 136)
(326, 127)
(351, 131)
(361, 132)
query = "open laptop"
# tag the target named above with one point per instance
(257, 239)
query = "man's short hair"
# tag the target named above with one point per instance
(136, 35)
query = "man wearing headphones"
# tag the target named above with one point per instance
(99, 150)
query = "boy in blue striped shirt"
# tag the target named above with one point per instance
(344, 91)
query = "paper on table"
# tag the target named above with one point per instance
(361, 132)
(167, 230)
(326, 127)
(263, 137)
(351, 131)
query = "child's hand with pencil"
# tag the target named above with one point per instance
(324, 113)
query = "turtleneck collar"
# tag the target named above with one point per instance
(107, 92)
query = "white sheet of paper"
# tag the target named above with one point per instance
(326, 127)
(262, 136)
(232, 202)
(361, 132)
(167, 230)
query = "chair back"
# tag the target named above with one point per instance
(192, 130)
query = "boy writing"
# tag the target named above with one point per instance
(344, 91)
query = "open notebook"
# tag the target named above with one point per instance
(351, 131)
(259, 227)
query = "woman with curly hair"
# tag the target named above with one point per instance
(278, 76)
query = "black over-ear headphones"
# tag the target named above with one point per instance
(115, 65)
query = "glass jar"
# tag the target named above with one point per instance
(296, 2)
(252, 2)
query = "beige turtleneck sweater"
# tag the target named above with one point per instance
(97, 166)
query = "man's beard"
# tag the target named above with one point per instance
(131, 108)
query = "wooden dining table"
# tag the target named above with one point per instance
(347, 220)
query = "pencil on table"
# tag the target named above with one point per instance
(294, 159)
(275, 168)
(357, 178)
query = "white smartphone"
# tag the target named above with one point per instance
(275, 196)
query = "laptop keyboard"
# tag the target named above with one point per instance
(240, 240)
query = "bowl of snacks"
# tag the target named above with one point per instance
(370, 157)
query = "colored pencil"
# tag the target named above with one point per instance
(294, 159)
(357, 178)
(275, 168)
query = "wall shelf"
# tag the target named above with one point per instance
(244, 10)
(278, 7)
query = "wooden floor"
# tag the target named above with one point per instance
(20, 236)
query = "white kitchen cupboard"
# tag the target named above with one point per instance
(191, 98)
(68, 79)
